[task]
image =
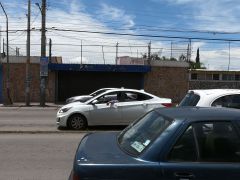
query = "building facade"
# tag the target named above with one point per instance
(165, 79)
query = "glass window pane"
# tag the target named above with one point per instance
(231, 101)
(190, 99)
(184, 149)
(138, 136)
(109, 97)
(217, 142)
(194, 76)
(215, 76)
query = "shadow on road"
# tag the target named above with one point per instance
(97, 128)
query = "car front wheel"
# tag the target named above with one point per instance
(77, 122)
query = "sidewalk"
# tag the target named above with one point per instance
(35, 105)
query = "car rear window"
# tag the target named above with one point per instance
(139, 135)
(190, 99)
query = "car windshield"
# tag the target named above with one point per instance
(139, 135)
(190, 99)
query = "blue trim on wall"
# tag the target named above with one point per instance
(99, 68)
(1, 84)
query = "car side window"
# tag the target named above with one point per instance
(190, 99)
(218, 142)
(185, 148)
(207, 142)
(134, 96)
(108, 97)
(230, 101)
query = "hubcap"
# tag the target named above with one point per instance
(77, 122)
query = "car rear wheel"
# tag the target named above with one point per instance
(77, 122)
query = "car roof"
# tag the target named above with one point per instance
(132, 90)
(200, 113)
(124, 89)
(215, 92)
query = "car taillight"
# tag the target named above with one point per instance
(74, 176)
(167, 104)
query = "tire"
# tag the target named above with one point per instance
(77, 122)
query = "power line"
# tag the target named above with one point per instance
(146, 35)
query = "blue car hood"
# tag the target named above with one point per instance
(102, 148)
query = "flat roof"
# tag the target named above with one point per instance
(100, 68)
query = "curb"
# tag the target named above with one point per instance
(43, 132)
(27, 108)
(22, 106)
(48, 132)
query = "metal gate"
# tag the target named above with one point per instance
(72, 83)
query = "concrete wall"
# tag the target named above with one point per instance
(17, 83)
(168, 80)
(204, 79)
(214, 85)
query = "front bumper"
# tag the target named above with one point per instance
(61, 120)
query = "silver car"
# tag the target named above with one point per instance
(113, 107)
(84, 98)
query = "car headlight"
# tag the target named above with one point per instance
(63, 110)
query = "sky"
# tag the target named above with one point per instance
(98, 25)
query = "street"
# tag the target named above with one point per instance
(37, 156)
(33, 148)
(32, 119)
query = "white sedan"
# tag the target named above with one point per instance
(113, 107)
(84, 98)
(212, 97)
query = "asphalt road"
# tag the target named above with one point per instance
(33, 148)
(28, 119)
(37, 156)
(36, 120)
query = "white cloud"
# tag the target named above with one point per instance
(75, 17)
(108, 13)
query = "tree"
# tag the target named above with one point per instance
(156, 57)
(198, 57)
(197, 64)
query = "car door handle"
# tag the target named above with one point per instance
(184, 176)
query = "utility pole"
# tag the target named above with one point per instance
(229, 55)
(171, 50)
(43, 53)
(103, 55)
(81, 51)
(50, 50)
(149, 53)
(189, 50)
(0, 43)
(116, 53)
(27, 89)
(8, 68)
(3, 47)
